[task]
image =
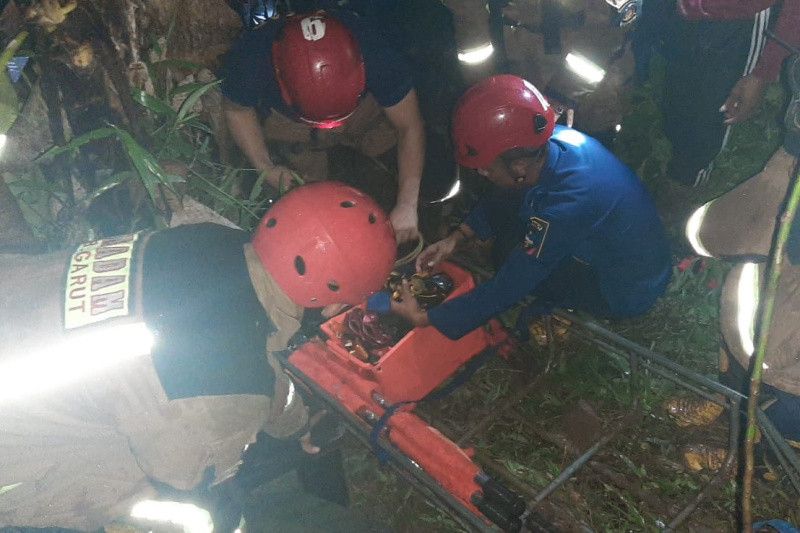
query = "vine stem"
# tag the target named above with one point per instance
(766, 309)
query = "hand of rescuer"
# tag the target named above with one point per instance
(744, 99)
(409, 308)
(281, 178)
(439, 251)
(404, 221)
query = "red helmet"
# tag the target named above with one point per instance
(498, 114)
(319, 68)
(326, 243)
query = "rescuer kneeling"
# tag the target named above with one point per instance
(572, 224)
(146, 362)
(738, 227)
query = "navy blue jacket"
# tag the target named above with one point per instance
(587, 204)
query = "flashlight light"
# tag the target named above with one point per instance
(476, 55)
(585, 68)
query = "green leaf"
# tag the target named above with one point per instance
(9, 104)
(256, 191)
(193, 97)
(186, 88)
(73, 145)
(152, 103)
(150, 172)
(110, 183)
(9, 488)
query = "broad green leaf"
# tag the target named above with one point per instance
(110, 183)
(193, 97)
(73, 145)
(186, 88)
(152, 103)
(9, 104)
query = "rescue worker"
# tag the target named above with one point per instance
(532, 38)
(739, 226)
(719, 61)
(145, 362)
(583, 231)
(308, 73)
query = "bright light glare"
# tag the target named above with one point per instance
(693, 230)
(191, 518)
(3, 139)
(289, 397)
(476, 55)
(618, 128)
(573, 137)
(747, 304)
(78, 356)
(452, 193)
(585, 68)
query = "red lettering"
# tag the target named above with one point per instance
(82, 256)
(103, 303)
(101, 282)
(102, 267)
(80, 279)
(108, 251)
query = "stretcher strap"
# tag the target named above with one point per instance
(462, 377)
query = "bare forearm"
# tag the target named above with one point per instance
(410, 161)
(246, 131)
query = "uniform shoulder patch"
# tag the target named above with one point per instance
(535, 237)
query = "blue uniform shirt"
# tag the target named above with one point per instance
(589, 205)
(249, 78)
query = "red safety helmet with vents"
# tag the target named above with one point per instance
(498, 114)
(319, 68)
(326, 243)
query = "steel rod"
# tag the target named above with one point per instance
(778, 444)
(651, 355)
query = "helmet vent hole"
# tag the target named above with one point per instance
(471, 151)
(300, 265)
(348, 204)
(271, 223)
(372, 218)
(333, 286)
(539, 123)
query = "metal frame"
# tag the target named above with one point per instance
(639, 356)
(612, 344)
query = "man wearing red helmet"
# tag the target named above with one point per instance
(323, 80)
(145, 362)
(583, 231)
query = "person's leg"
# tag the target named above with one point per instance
(704, 61)
(782, 408)
(573, 285)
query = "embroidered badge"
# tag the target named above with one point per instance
(534, 239)
(98, 282)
